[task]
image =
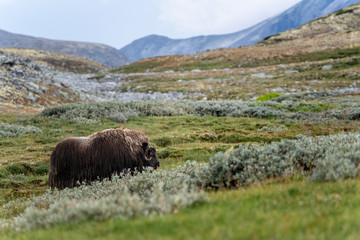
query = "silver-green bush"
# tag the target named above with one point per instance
(144, 194)
(11, 130)
(341, 159)
(121, 111)
(323, 158)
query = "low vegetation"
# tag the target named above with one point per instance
(215, 59)
(327, 71)
(10, 130)
(230, 144)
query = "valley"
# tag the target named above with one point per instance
(254, 142)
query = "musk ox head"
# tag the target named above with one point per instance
(151, 158)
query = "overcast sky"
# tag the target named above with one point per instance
(119, 22)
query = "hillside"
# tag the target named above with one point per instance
(340, 22)
(104, 54)
(59, 61)
(299, 14)
(323, 57)
(25, 86)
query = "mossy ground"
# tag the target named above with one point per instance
(274, 209)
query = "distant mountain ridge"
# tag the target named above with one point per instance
(101, 53)
(306, 10)
(336, 35)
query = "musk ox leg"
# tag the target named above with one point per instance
(64, 162)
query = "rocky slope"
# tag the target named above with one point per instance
(59, 61)
(32, 79)
(301, 13)
(24, 83)
(104, 54)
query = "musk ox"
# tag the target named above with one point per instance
(99, 156)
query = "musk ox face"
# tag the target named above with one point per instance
(151, 158)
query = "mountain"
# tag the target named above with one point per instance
(297, 15)
(104, 54)
(335, 35)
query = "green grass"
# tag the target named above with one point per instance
(247, 213)
(290, 209)
(268, 97)
(317, 56)
(138, 67)
(177, 139)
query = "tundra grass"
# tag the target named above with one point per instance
(218, 62)
(245, 86)
(286, 209)
(24, 160)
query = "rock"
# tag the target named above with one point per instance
(31, 97)
(64, 94)
(327, 67)
(43, 89)
(291, 71)
(261, 75)
(32, 87)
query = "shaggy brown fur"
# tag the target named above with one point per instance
(99, 156)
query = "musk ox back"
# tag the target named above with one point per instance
(99, 156)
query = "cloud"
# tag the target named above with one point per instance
(218, 16)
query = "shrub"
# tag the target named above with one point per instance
(121, 111)
(3, 173)
(55, 131)
(144, 194)
(324, 158)
(19, 168)
(341, 159)
(118, 117)
(41, 169)
(10, 130)
(334, 168)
